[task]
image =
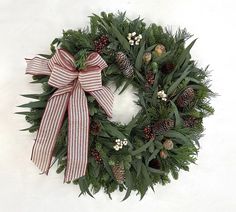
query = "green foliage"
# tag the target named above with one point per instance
(80, 59)
(136, 156)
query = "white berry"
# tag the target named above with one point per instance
(120, 145)
(125, 142)
(116, 147)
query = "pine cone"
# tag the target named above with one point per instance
(186, 97)
(163, 125)
(124, 64)
(148, 133)
(167, 68)
(119, 173)
(155, 164)
(190, 121)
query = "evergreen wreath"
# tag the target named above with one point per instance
(173, 94)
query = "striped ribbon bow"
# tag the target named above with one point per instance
(71, 85)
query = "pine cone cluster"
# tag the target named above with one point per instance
(119, 173)
(124, 64)
(96, 155)
(101, 43)
(163, 125)
(186, 97)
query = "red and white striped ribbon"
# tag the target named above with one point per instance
(69, 96)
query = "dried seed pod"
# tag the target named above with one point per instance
(160, 49)
(147, 56)
(168, 144)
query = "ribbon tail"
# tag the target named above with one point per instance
(78, 135)
(37, 66)
(49, 128)
(105, 99)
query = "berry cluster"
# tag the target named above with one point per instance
(133, 39)
(101, 43)
(95, 127)
(96, 155)
(148, 133)
(162, 95)
(150, 77)
(120, 143)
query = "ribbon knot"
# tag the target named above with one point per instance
(70, 96)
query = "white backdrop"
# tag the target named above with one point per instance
(27, 27)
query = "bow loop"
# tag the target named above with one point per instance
(61, 77)
(63, 59)
(62, 68)
(94, 59)
(90, 78)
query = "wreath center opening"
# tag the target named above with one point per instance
(124, 106)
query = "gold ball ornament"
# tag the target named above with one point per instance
(163, 154)
(160, 49)
(168, 144)
(147, 56)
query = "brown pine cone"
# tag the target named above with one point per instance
(186, 97)
(148, 133)
(155, 164)
(163, 125)
(190, 121)
(124, 64)
(119, 173)
(167, 68)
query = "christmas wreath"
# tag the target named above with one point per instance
(71, 113)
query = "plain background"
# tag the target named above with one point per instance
(27, 27)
